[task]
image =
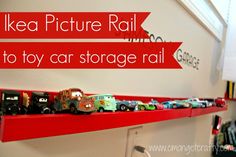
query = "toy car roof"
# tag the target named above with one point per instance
(39, 93)
(101, 95)
(170, 101)
(13, 92)
(75, 89)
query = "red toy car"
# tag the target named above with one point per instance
(220, 102)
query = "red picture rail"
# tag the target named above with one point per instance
(23, 127)
(204, 111)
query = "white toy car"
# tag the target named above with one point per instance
(203, 103)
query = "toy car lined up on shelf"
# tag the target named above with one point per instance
(211, 101)
(181, 104)
(104, 102)
(10, 101)
(158, 106)
(145, 106)
(168, 104)
(194, 104)
(220, 102)
(203, 103)
(39, 103)
(126, 105)
(73, 100)
(176, 104)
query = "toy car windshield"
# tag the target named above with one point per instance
(12, 98)
(76, 94)
(43, 100)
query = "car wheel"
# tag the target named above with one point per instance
(73, 108)
(174, 106)
(123, 108)
(46, 110)
(189, 105)
(142, 108)
(101, 109)
(14, 110)
(86, 113)
(53, 111)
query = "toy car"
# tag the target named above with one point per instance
(220, 102)
(168, 104)
(143, 106)
(157, 105)
(203, 103)
(194, 104)
(104, 102)
(86, 105)
(126, 105)
(39, 103)
(181, 104)
(10, 102)
(210, 101)
(69, 100)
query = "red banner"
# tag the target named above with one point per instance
(71, 24)
(88, 55)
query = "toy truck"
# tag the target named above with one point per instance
(39, 103)
(10, 103)
(73, 100)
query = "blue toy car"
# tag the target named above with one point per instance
(168, 104)
(181, 104)
(176, 104)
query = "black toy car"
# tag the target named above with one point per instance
(126, 105)
(10, 103)
(39, 103)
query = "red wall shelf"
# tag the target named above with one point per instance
(203, 111)
(23, 127)
(230, 99)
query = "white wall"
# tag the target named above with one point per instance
(169, 20)
(230, 55)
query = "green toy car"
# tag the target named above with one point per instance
(104, 102)
(143, 106)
